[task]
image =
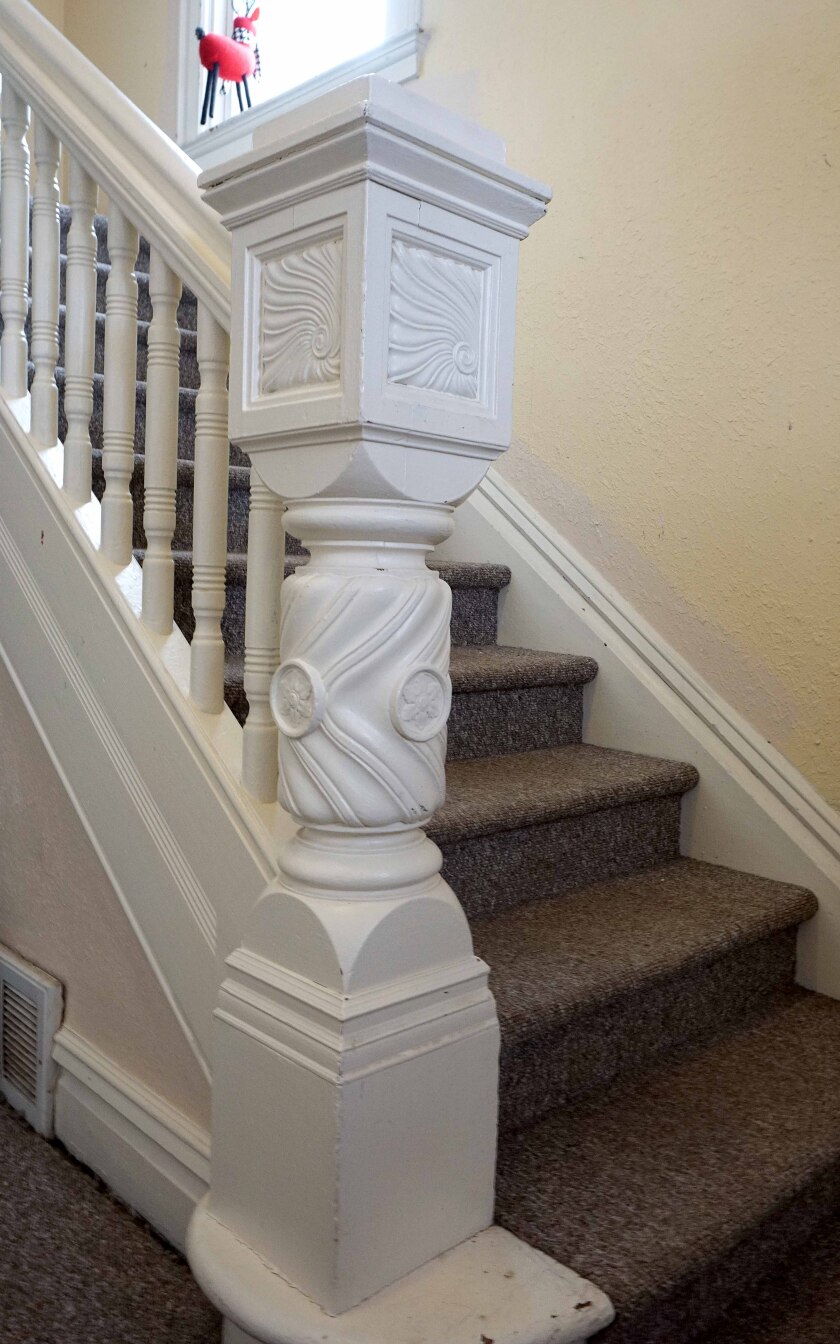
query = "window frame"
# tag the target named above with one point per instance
(397, 58)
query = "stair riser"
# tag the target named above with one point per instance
(492, 873)
(679, 1316)
(464, 600)
(561, 1061)
(475, 615)
(493, 723)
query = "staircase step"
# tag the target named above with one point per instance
(542, 823)
(512, 700)
(239, 483)
(100, 228)
(186, 418)
(234, 622)
(798, 1304)
(598, 984)
(678, 1191)
(475, 598)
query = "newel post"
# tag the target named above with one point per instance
(375, 244)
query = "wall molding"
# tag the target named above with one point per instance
(148, 1153)
(769, 766)
(752, 810)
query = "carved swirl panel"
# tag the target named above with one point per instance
(362, 697)
(300, 318)
(435, 322)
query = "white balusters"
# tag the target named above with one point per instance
(161, 446)
(45, 278)
(79, 333)
(14, 231)
(120, 388)
(262, 639)
(210, 497)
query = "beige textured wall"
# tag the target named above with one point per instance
(134, 45)
(678, 365)
(58, 908)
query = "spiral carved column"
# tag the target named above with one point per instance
(356, 1072)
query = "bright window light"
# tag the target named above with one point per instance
(299, 41)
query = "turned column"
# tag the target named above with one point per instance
(355, 1085)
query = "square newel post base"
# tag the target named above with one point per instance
(491, 1287)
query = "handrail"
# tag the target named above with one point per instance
(151, 180)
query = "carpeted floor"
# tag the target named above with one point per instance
(75, 1266)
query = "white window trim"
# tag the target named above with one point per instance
(397, 58)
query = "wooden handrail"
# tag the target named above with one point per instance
(151, 180)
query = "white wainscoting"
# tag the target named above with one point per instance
(150, 1155)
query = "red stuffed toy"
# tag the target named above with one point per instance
(236, 59)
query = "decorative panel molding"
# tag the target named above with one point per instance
(436, 320)
(300, 321)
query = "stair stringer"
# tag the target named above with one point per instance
(752, 810)
(154, 781)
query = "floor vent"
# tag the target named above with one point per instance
(30, 1015)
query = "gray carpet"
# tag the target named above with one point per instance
(670, 1102)
(76, 1267)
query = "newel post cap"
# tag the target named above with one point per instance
(375, 243)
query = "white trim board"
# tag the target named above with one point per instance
(397, 59)
(752, 810)
(150, 1155)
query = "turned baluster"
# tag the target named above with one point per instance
(120, 389)
(262, 639)
(45, 281)
(14, 231)
(161, 449)
(79, 333)
(210, 496)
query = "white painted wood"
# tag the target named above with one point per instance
(266, 557)
(491, 1283)
(210, 515)
(120, 389)
(14, 233)
(110, 702)
(161, 446)
(79, 333)
(148, 1153)
(752, 810)
(45, 277)
(397, 59)
(138, 167)
(357, 1042)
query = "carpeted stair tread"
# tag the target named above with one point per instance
(496, 667)
(472, 574)
(502, 793)
(620, 972)
(552, 958)
(675, 1190)
(798, 1305)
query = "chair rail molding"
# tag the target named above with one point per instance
(356, 1054)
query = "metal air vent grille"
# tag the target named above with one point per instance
(30, 1014)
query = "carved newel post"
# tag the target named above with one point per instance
(375, 248)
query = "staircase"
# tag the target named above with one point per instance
(668, 1098)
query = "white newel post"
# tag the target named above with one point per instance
(375, 244)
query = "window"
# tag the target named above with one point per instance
(305, 48)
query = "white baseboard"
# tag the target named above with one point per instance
(149, 1154)
(753, 809)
